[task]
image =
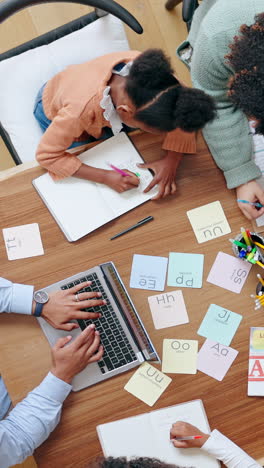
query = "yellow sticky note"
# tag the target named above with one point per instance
(147, 383)
(258, 338)
(179, 356)
(208, 221)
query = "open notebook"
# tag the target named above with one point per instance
(147, 435)
(80, 206)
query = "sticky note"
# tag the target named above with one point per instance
(168, 309)
(179, 356)
(185, 270)
(215, 359)
(148, 272)
(220, 324)
(208, 222)
(257, 338)
(229, 272)
(23, 241)
(147, 383)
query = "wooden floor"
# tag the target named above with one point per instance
(162, 29)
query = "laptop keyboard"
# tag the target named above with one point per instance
(117, 349)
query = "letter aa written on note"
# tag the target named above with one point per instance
(220, 350)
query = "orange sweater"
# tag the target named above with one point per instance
(71, 99)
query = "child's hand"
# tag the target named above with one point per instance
(251, 192)
(165, 173)
(184, 429)
(121, 183)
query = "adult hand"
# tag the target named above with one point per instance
(67, 361)
(62, 306)
(165, 173)
(121, 183)
(184, 429)
(251, 192)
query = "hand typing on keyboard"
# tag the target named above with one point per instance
(63, 306)
(68, 361)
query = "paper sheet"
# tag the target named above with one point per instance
(229, 272)
(23, 241)
(208, 222)
(219, 324)
(147, 383)
(168, 309)
(214, 359)
(148, 272)
(185, 270)
(179, 356)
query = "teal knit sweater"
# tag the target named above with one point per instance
(214, 25)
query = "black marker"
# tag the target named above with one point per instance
(140, 223)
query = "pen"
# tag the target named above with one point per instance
(120, 171)
(188, 437)
(257, 204)
(123, 173)
(140, 223)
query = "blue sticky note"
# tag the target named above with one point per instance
(185, 270)
(148, 272)
(220, 324)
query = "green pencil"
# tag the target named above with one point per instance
(239, 244)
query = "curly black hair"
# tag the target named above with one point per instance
(123, 462)
(161, 101)
(246, 86)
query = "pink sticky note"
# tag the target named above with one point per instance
(229, 272)
(168, 309)
(215, 359)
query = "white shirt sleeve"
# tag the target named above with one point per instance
(32, 420)
(16, 298)
(229, 453)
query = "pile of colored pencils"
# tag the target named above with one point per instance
(248, 248)
(259, 298)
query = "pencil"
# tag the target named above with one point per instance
(116, 169)
(260, 264)
(245, 236)
(249, 236)
(259, 245)
(260, 279)
(238, 243)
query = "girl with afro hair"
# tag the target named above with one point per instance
(99, 98)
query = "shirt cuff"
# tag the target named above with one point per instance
(242, 174)
(53, 388)
(22, 298)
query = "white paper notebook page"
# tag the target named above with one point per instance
(120, 152)
(161, 422)
(76, 204)
(126, 437)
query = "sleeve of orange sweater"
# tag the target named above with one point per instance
(180, 142)
(51, 151)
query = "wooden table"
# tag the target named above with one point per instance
(25, 356)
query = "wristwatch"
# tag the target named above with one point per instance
(41, 298)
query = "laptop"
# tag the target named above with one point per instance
(124, 338)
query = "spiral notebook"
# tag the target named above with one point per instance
(81, 206)
(147, 435)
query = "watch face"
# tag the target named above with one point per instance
(41, 296)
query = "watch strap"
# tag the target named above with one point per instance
(38, 309)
